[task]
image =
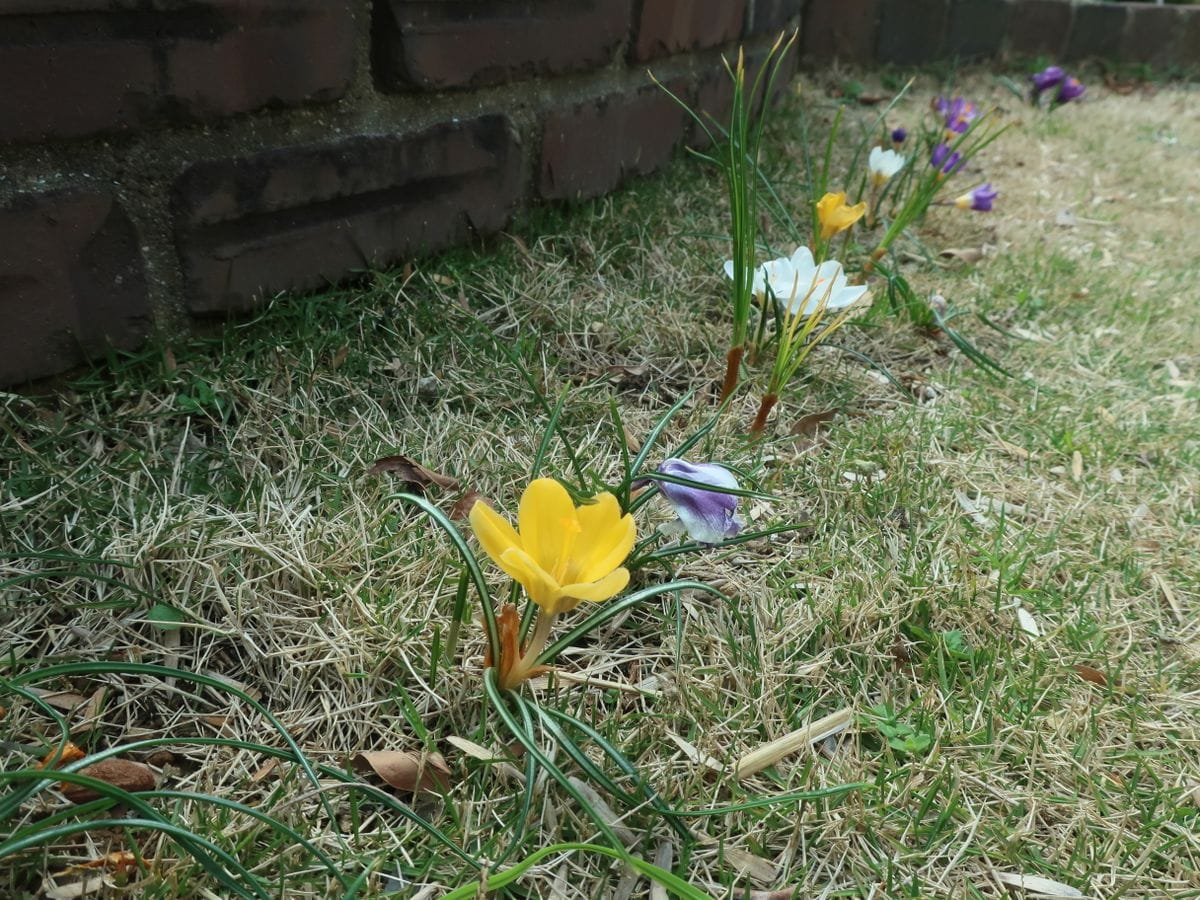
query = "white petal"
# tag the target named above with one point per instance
(846, 296)
(802, 260)
(729, 269)
(875, 160)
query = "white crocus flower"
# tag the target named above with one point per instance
(801, 286)
(884, 164)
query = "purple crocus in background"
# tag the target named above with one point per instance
(708, 516)
(899, 136)
(1051, 76)
(943, 159)
(1071, 89)
(980, 199)
(958, 113)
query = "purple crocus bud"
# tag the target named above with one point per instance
(1049, 77)
(709, 516)
(899, 136)
(1072, 89)
(940, 152)
(980, 199)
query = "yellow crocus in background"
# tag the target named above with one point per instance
(835, 215)
(562, 554)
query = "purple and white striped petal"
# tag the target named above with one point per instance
(709, 516)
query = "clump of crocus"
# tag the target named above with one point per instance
(944, 159)
(561, 554)
(1069, 87)
(805, 292)
(708, 517)
(980, 199)
(835, 215)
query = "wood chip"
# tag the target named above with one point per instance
(696, 755)
(1077, 466)
(770, 753)
(1169, 596)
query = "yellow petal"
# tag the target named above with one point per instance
(494, 533)
(604, 589)
(547, 522)
(605, 540)
(539, 585)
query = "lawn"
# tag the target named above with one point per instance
(995, 577)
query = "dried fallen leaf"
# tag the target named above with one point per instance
(65, 700)
(462, 508)
(265, 771)
(406, 771)
(807, 426)
(963, 254)
(120, 773)
(1038, 886)
(74, 890)
(1027, 622)
(339, 357)
(412, 471)
(1076, 466)
(606, 813)
(759, 869)
(1095, 676)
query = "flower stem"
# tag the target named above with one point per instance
(764, 410)
(537, 642)
(732, 365)
(876, 256)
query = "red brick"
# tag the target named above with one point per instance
(771, 16)
(468, 43)
(1189, 39)
(1039, 27)
(589, 148)
(839, 29)
(910, 31)
(673, 26)
(975, 29)
(71, 283)
(1152, 35)
(1096, 30)
(73, 68)
(302, 217)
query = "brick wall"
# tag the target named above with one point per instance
(910, 32)
(164, 160)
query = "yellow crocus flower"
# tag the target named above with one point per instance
(835, 215)
(560, 553)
